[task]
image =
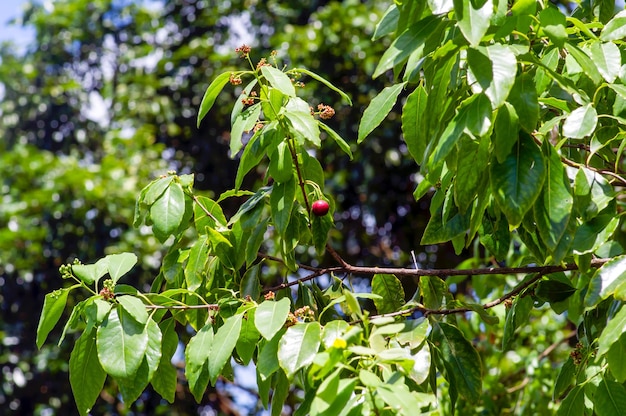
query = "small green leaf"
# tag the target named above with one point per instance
(574, 403)
(565, 379)
(473, 22)
(270, 316)
(378, 109)
(615, 29)
(388, 23)
(165, 380)
(281, 202)
(612, 332)
(492, 72)
(135, 308)
(223, 345)
(244, 123)
(195, 269)
(298, 346)
(343, 145)
(391, 291)
(279, 80)
(53, 306)
(609, 398)
(120, 264)
(122, 343)
(90, 273)
(168, 211)
(581, 122)
(86, 374)
(196, 361)
(281, 164)
(211, 94)
(248, 338)
(586, 63)
(523, 97)
(267, 362)
(608, 59)
(414, 123)
(303, 125)
(516, 317)
(608, 280)
(553, 24)
(325, 82)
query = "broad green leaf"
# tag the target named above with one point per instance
(255, 241)
(609, 398)
(281, 164)
(411, 40)
(608, 59)
(164, 380)
(581, 122)
(402, 400)
(248, 338)
(615, 29)
(251, 283)
(320, 226)
(272, 101)
(472, 21)
(168, 211)
(414, 124)
(444, 225)
(131, 388)
(554, 206)
(270, 317)
(462, 360)
(574, 403)
(471, 169)
(586, 63)
(195, 269)
(223, 345)
(122, 343)
(280, 393)
(86, 374)
(378, 109)
(388, 23)
(389, 288)
(303, 124)
(612, 332)
(281, 202)
(53, 306)
(279, 80)
(554, 290)
(516, 316)
(592, 190)
(90, 273)
(298, 346)
(135, 308)
(156, 188)
(244, 123)
(196, 361)
(505, 131)
(333, 394)
(343, 145)
(215, 217)
(592, 234)
(566, 377)
(211, 94)
(492, 72)
(615, 359)
(325, 82)
(608, 280)
(553, 24)
(267, 362)
(523, 97)
(516, 183)
(250, 204)
(440, 6)
(120, 264)
(259, 145)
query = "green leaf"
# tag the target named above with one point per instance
(204, 205)
(574, 403)
(244, 123)
(615, 359)
(196, 361)
(609, 398)
(592, 234)
(608, 59)
(333, 394)
(156, 188)
(474, 115)
(298, 346)
(516, 317)
(320, 226)
(615, 29)
(608, 280)
(211, 94)
(411, 40)
(279, 80)
(414, 124)
(90, 273)
(122, 343)
(505, 131)
(565, 379)
(471, 169)
(281, 202)
(523, 97)
(280, 393)
(325, 82)
(462, 360)
(581, 122)
(267, 362)
(378, 109)
(586, 63)
(223, 345)
(168, 211)
(516, 183)
(303, 125)
(391, 291)
(165, 380)
(281, 164)
(553, 24)
(251, 283)
(492, 72)
(248, 338)
(611, 334)
(120, 264)
(473, 22)
(343, 145)
(554, 206)
(239, 105)
(552, 290)
(86, 374)
(195, 269)
(53, 306)
(135, 308)
(270, 317)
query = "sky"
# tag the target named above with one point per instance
(10, 9)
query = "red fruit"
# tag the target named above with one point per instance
(320, 207)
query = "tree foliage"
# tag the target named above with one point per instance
(514, 117)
